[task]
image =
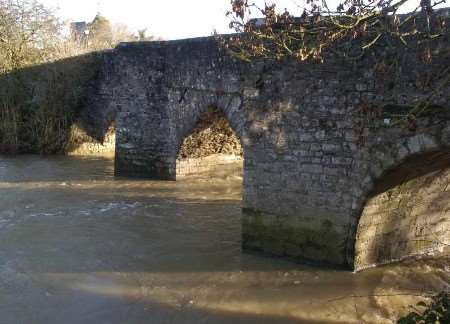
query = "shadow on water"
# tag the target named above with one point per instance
(78, 246)
(98, 231)
(52, 221)
(34, 168)
(90, 308)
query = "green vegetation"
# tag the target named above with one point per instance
(39, 104)
(39, 101)
(438, 312)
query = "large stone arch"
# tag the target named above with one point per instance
(403, 173)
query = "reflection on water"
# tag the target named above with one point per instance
(78, 246)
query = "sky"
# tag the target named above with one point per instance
(168, 19)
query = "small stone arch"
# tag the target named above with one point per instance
(210, 140)
(392, 221)
(193, 105)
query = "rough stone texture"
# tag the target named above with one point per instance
(408, 214)
(226, 164)
(306, 178)
(211, 148)
(82, 144)
(211, 135)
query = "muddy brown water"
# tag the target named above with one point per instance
(80, 246)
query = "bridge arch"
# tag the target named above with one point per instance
(194, 111)
(404, 206)
(210, 144)
(195, 106)
(306, 178)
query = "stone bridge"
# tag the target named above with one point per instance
(321, 184)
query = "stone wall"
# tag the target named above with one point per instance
(80, 143)
(211, 149)
(212, 135)
(309, 165)
(216, 165)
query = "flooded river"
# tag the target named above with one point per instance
(80, 246)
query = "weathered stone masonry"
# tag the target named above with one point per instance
(212, 148)
(306, 176)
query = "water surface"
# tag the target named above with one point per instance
(80, 246)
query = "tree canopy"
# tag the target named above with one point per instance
(351, 28)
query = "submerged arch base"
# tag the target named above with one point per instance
(312, 239)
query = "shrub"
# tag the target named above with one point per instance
(438, 312)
